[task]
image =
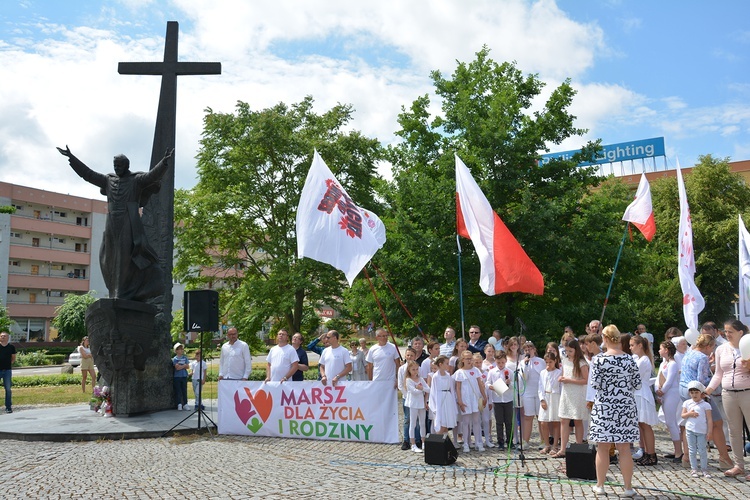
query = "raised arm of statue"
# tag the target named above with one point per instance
(95, 178)
(156, 173)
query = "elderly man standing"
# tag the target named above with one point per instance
(450, 342)
(235, 362)
(417, 343)
(383, 359)
(7, 358)
(282, 359)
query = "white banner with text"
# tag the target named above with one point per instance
(350, 411)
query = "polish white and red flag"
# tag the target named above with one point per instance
(692, 300)
(640, 213)
(331, 228)
(505, 267)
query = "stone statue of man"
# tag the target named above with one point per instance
(130, 266)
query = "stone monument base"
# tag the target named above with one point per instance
(131, 355)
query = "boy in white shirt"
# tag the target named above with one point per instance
(698, 424)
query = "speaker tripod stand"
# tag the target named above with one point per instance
(198, 400)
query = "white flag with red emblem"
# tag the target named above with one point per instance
(331, 228)
(640, 213)
(692, 300)
(744, 253)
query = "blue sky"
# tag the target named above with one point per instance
(677, 69)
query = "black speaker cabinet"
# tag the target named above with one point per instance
(439, 450)
(580, 461)
(201, 311)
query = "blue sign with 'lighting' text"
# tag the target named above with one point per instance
(646, 148)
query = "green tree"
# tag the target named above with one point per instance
(5, 321)
(70, 317)
(236, 228)
(488, 119)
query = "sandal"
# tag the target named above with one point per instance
(546, 449)
(559, 454)
(734, 472)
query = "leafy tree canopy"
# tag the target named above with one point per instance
(70, 317)
(493, 117)
(236, 228)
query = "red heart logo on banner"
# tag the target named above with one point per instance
(244, 408)
(262, 401)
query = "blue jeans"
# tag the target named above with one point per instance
(6, 376)
(417, 436)
(197, 390)
(697, 446)
(180, 390)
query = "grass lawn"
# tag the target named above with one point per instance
(72, 394)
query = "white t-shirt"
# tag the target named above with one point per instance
(196, 369)
(334, 360)
(382, 357)
(426, 368)
(698, 424)
(281, 359)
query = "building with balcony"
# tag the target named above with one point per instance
(48, 249)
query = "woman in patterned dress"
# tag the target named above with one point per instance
(614, 417)
(574, 379)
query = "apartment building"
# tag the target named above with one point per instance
(48, 249)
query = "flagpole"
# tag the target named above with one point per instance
(460, 287)
(612, 280)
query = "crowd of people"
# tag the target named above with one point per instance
(604, 387)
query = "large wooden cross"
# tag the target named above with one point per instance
(158, 215)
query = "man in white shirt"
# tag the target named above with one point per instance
(235, 362)
(335, 362)
(641, 330)
(450, 342)
(282, 359)
(383, 359)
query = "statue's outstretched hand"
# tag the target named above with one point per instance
(65, 152)
(168, 154)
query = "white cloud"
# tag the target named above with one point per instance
(60, 82)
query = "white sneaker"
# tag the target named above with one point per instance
(599, 490)
(629, 493)
(480, 447)
(466, 448)
(186, 407)
(179, 407)
(490, 444)
(638, 454)
(415, 449)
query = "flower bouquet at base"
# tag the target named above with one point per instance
(101, 402)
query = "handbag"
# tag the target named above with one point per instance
(482, 403)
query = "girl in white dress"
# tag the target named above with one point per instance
(644, 399)
(668, 390)
(469, 396)
(442, 397)
(486, 414)
(416, 388)
(531, 367)
(489, 358)
(574, 379)
(549, 398)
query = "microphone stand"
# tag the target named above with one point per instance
(517, 399)
(517, 393)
